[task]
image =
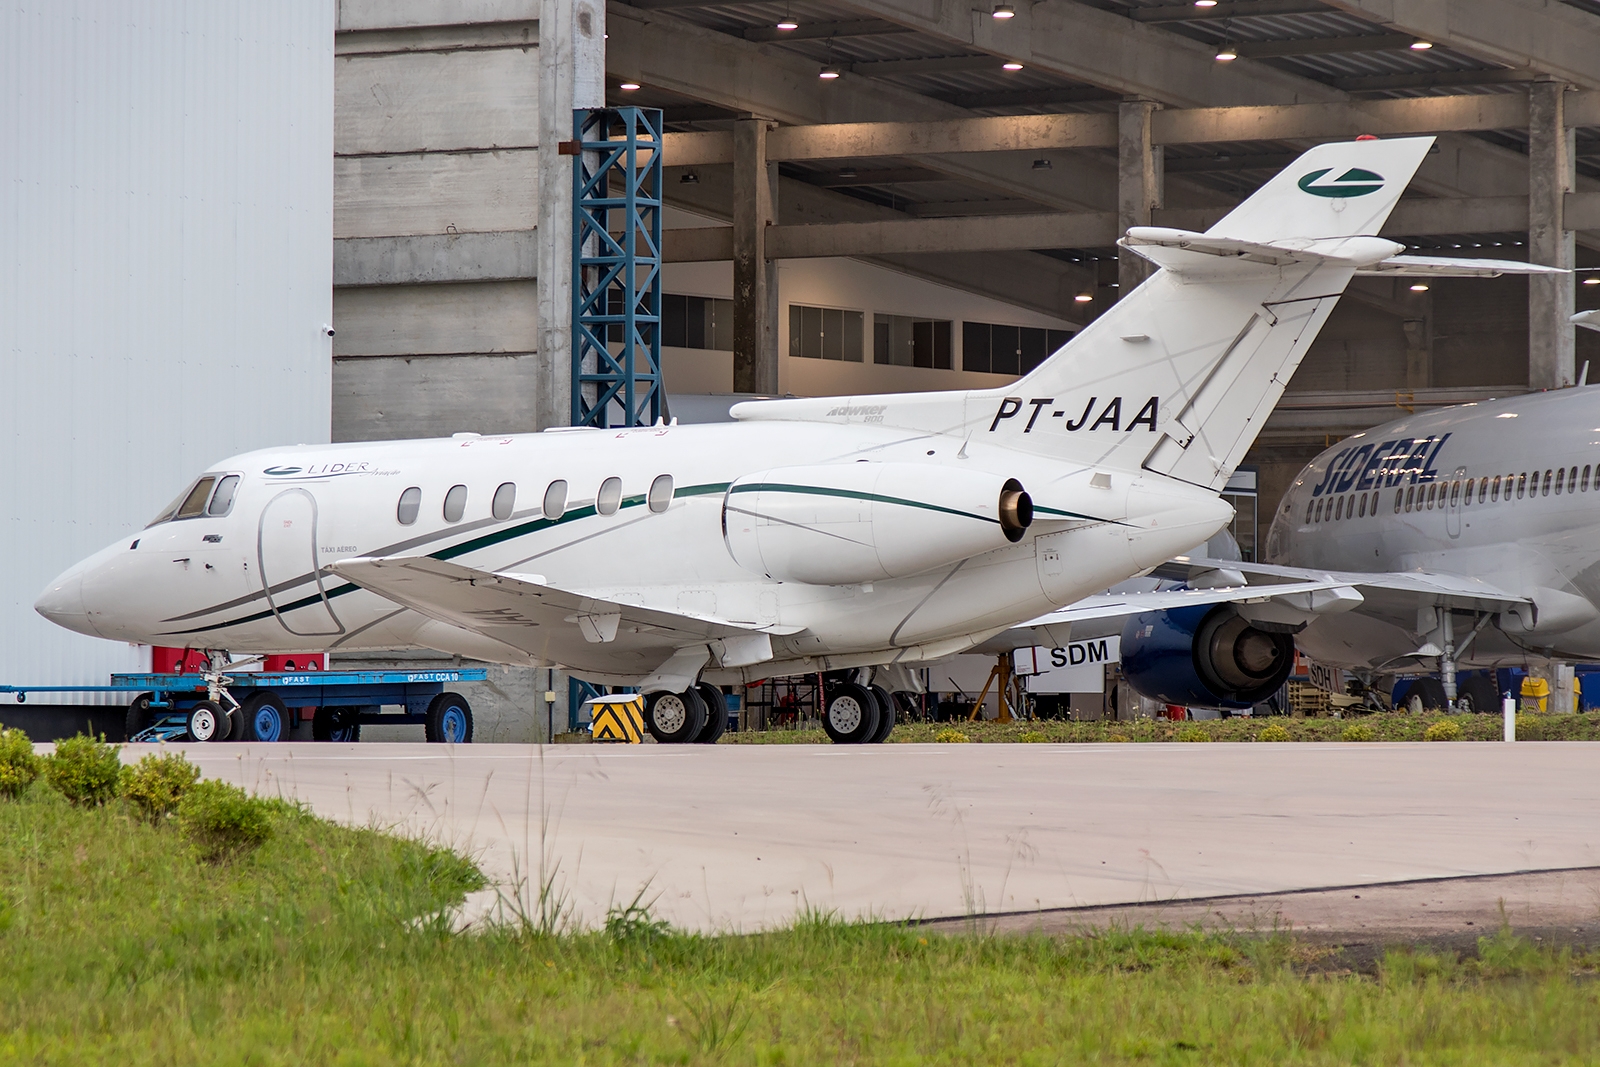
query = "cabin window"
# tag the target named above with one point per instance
(455, 503)
(1467, 497)
(1522, 484)
(1363, 506)
(410, 501)
(1483, 489)
(1399, 497)
(1338, 509)
(1561, 476)
(1310, 506)
(1494, 492)
(555, 500)
(504, 502)
(1545, 488)
(1410, 495)
(1318, 508)
(222, 499)
(609, 499)
(1584, 486)
(1455, 492)
(660, 493)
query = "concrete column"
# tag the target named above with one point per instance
(755, 277)
(1138, 184)
(1551, 352)
(572, 74)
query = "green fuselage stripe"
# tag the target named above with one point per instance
(850, 494)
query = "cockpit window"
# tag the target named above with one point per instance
(222, 499)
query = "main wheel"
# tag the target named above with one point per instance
(885, 714)
(716, 714)
(675, 718)
(1478, 695)
(336, 724)
(265, 718)
(207, 722)
(139, 716)
(1426, 694)
(850, 716)
(449, 720)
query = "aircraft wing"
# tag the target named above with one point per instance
(1390, 593)
(520, 611)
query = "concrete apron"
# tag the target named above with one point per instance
(731, 838)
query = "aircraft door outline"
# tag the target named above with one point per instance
(282, 548)
(1452, 511)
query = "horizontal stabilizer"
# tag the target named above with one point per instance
(1587, 319)
(1181, 250)
(1453, 267)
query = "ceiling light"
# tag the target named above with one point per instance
(628, 87)
(1004, 11)
(1205, 3)
(1591, 281)
(691, 178)
(1041, 164)
(788, 23)
(1227, 54)
(1011, 65)
(1421, 46)
(1084, 298)
(848, 172)
(829, 73)
(1420, 287)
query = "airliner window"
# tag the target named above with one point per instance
(455, 503)
(194, 505)
(1546, 490)
(1338, 509)
(410, 501)
(505, 501)
(1319, 512)
(1455, 492)
(1399, 495)
(1309, 508)
(555, 500)
(1468, 498)
(1363, 506)
(222, 499)
(660, 493)
(1561, 476)
(1483, 489)
(1522, 484)
(1584, 487)
(609, 499)
(1410, 492)
(1494, 493)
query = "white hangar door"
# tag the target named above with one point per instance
(290, 574)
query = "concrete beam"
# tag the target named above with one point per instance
(1554, 38)
(435, 258)
(1551, 345)
(1138, 184)
(1241, 9)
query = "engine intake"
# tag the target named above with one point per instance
(1205, 656)
(843, 523)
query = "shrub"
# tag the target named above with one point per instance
(85, 770)
(19, 764)
(948, 736)
(1442, 731)
(1357, 731)
(157, 783)
(1193, 733)
(223, 820)
(1275, 732)
(1033, 737)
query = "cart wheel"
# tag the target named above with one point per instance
(336, 724)
(850, 716)
(885, 714)
(265, 718)
(675, 718)
(716, 714)
(207, 721)
(139, 716)
(449, 720)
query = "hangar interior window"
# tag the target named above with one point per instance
(405, 513)
(504, 502)
(910, 342)
(695, 322)
(555, 499)
(826, 333)
(609, 499)
(660, 494)
(455, 503)
(996, 349)
(222, 499)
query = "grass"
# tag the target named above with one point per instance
(118, 946)
(1384, 726)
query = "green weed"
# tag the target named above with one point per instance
(156, 784)
(19, 765)
(85, 770)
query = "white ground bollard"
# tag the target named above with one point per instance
(1508, 708)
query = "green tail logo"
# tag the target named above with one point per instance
(1353, 182)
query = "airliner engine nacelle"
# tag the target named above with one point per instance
(838, 524)
(1206, 656)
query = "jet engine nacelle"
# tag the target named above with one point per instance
(843, 523)
(1206, 656)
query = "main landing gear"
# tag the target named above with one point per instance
(856, 714)
(698, 715)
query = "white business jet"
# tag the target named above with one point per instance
(836, 534)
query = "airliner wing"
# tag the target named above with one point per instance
(1398, 593)
(520, 611)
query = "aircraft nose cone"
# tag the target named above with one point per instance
(62, 603)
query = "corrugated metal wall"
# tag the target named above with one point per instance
(166, 206)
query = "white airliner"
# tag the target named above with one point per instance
(830, 534)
